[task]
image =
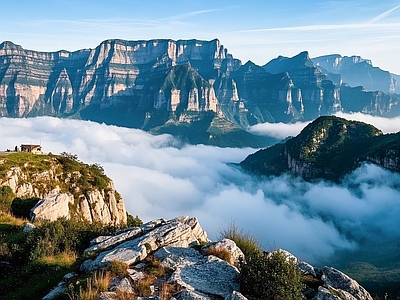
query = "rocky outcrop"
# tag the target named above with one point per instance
(92, 208)
(132, 245)
(61, 191)
(194, 274)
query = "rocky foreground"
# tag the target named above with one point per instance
(181, 245)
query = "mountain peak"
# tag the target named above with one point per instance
(8, 45)
(328, 148)
(282, 64)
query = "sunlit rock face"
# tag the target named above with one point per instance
(159, 85)
(102, 205)
(62, 83)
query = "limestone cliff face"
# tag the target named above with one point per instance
(64, 193)
(149, 84)
(62, 83)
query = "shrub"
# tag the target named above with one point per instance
(133, 221)
(245, 241)
(271, 277)
(52, 238)
(21, 208)
(6, 197)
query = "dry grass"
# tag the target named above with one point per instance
(65, 259)
(94, 285)
(118, 268)
(124, 295)
(221, 253)
(9, 219)
(142, 287)
(249, 244)
(168, 290)
(154, 267)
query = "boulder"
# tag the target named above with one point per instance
(61, 288)
(107, 296)
(235, 296)
(133, 246)
(229, 245)
(52, 208)
(175, 257)
(306, 268)
(325, 294)
(135, 275)
(209, 275)
(28, 227)
(123, 285)
(341, 281)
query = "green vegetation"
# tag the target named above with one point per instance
(330, 147)
(21, 208)
(6, 198)
(33, 263)
(265, 276)
(133, 221)
(40, 259)
(271, 276)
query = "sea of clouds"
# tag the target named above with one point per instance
(160, 177)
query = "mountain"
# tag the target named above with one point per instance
(356, 71)
(193, 89)
(328, 148)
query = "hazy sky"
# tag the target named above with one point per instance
(251, 30)
(158, 177)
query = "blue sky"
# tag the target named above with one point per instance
(251, 30)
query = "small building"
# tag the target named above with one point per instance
(35, 149)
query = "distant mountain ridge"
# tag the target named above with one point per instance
(190, 88)
(328, 148)
(356, 71)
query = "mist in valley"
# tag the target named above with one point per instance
(159, 177)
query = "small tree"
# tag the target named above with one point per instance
(271, 277)
(6, 197)
(133, 221)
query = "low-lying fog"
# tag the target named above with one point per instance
(159, 177)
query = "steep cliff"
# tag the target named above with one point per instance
(66, 187)
(175, 86)
(328, 148)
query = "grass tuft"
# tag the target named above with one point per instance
(221, 253)
(246, 242)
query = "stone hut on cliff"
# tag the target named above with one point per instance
(35, 149)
